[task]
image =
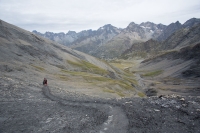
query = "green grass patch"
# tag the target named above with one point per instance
(96, 78)
(76, 73)
(120, 94)
(88, 67)
(123, 84)
(65, 78)
(131, 80)
(134, 54)
(87, 76)
(153, 74)
(38, 68)
(140, 94)
(108, 90)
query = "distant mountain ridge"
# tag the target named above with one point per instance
(184, 37)
(110, 42)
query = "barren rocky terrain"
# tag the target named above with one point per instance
(28, 107)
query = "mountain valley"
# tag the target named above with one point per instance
(146, 79)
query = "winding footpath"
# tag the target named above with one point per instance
(116, 122)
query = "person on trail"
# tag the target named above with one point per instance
(45, 81)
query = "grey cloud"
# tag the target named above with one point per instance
(65, 15)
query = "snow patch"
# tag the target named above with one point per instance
(145, 27)
(151, 31)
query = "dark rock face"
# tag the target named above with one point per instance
(141, 49)
(194, 70)
(183, 37)
(191, 22)
(169, 30)
(173, 27)
(150, 92)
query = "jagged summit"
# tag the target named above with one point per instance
(191, 22)
(131, 25)
(109, 28)
(71, 32)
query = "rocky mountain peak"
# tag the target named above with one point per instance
(71, 32)
(191, 22)
(177, 23)
(150, 26)
(132, 24)
(168, 30)
(107, 27)
(85, 33)
(147, 24)
(37, 33)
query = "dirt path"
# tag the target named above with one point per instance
(116, 121)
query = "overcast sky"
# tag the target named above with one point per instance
(77, 15)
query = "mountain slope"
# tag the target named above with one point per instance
(173, 27)
(169, 30)
(144, 49)
(183, 37)
(176, 69)
(27, 46)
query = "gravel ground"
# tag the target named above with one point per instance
(34, 108)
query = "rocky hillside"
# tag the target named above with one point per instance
(143, 49)
(187, 36)
(173, 27)
(183, 37)
(169, 30)
(176, 69)
(23, 46)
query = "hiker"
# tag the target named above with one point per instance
(45, 81)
